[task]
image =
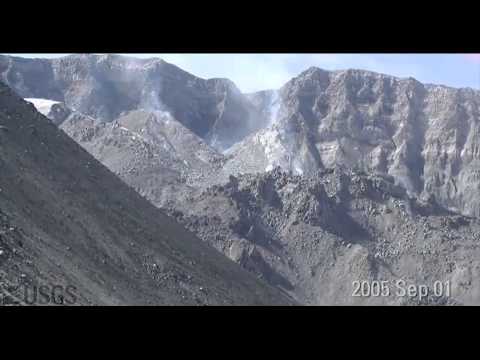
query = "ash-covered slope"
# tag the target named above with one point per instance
(65, 219)
(150, 151)
(426, 136)
(314, 237)
(104, 86)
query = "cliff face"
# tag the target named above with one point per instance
(423, 135)
(105, 86)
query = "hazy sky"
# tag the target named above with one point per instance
(253, 72)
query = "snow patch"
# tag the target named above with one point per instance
(43, 106)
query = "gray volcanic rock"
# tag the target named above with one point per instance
(425, 136)
(151, 151)
(59, 113)
(313, 237)
(65, 219)
(104, 86)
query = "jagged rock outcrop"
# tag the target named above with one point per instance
(425, 136)
(314, 237)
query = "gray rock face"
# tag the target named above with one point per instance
(151, 151)
(59, 113)
(66, 220)
(105, 86)
(314, 237)
(425, 136)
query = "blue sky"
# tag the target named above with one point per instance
(252, 72)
